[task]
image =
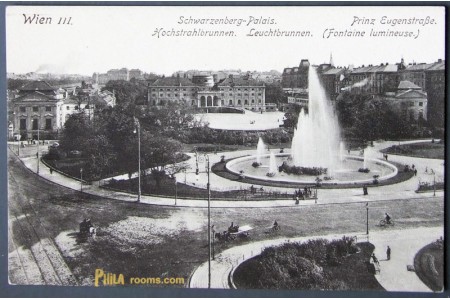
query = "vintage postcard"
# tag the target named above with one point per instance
(226, 147)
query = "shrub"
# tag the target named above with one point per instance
(315, 171)
(255, 164)
(364, 170)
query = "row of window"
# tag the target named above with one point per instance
(49, 108)
(194, 102)
(202, 89)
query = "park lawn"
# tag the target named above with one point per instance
(429, 265)
(285, 270)
(167, 188)
(425, 150)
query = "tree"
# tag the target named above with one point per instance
(275, 93)
(76, 133)
(127, 92)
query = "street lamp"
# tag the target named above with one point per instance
(37, 154)
(367, 218)
(176, 190)
(434, 184)
(138, 126)
(81, 179)
(209, 221)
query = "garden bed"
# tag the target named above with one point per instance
(434, 150)
(429, 265)
(314, 265)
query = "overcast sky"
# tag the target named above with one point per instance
(102, 38)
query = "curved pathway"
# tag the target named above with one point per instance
(403, 190)
(393, 276)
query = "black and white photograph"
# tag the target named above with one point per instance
(227, 147)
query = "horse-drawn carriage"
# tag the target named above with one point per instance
(233, 232)
(86, 228)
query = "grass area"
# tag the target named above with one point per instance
(72, 166)
(225, 148)
(220, 170)
(434, 150)
(313, 265)
(167, 188)
(429, 265)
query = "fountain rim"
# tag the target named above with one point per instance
(330, 182)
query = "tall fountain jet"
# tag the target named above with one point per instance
(273, 168)
(260, 150)
(316, 138)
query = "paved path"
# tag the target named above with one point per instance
(403, 190)
(394, 275)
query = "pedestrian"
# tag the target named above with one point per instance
(365, 190)
(426, 170)
(37, 154)
(51, 170)
(388, 253)
(415, 172)
(375, 259)
(386, 157)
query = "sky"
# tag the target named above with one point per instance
(102, 38)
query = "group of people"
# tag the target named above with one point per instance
(388, 256)
(305, 193)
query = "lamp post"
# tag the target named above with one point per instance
(176, 190)
(367, 218)
(138, 126)
(209, 222)
(37, 154)
(434, 185)
(81, 179)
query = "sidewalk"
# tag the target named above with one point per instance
(403, 190)
(394, 275)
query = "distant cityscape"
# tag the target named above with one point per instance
(416, 90)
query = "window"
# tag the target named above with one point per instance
(35, 124)
(246, 102)
(153, 90)
(161, 89)
(68, 107)
(239, 101)
(168, 95)
(23, 109)
(223, 102)
(48, 108)
(168, 90)
(176, 95)
(185, 94)
(48, 124)
(259, 101)
(23, 124)
(76, 107)
(161, 95)
(87, 106)
(35, 109)
(231, 94)
(420, 103)
(153, 95)
(230, 102)
(253, 101)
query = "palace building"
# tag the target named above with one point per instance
(206, 91)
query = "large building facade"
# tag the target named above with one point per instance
(205, 91)
(379, 80)
(41, 109)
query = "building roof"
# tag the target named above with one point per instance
(418, 67)
(408, 85)
(437, 66)
(333, 71)
(375, 69)
(239, 81)
(38, 85)
(173, 81)
(34, 96)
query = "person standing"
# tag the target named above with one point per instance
(388, 253)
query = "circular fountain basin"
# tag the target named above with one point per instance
(347, 173)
